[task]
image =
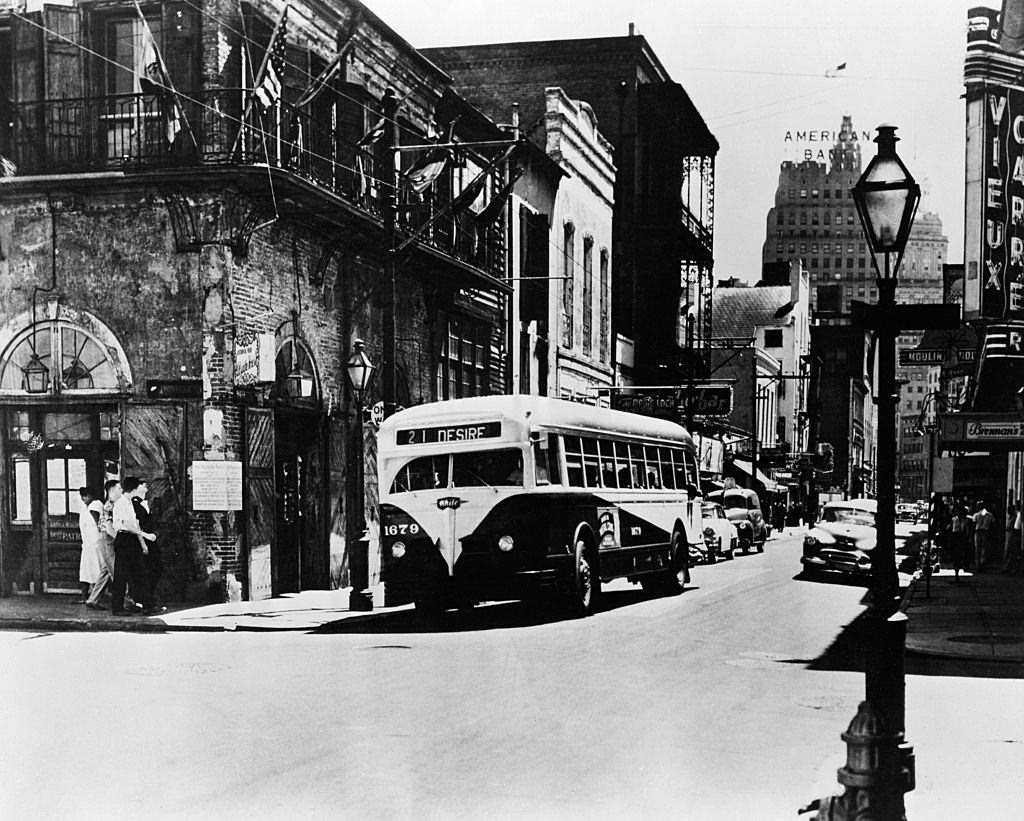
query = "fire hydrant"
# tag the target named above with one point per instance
(879, 769)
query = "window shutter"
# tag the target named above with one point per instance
(27, 76)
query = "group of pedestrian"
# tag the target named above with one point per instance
(120, 550)
(973, 539)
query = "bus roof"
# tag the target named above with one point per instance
(537, 411)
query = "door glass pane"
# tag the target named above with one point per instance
(55, 473)
(57, 503)
(76, 474)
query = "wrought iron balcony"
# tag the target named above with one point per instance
(145, 132)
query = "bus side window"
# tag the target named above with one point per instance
(667, 474)
(679, 468)
(653, 467)
(692, 476)
(591, 463)
(636, 459)
(622, 465)
(573, 460)
(542, 467)
(609, 478)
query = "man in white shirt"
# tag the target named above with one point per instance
(129, 544)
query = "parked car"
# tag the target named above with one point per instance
(844, 538)
(720, 535)
(906, 512)
(743, 509)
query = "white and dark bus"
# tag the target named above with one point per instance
(517, 497)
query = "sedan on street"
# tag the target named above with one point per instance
(720, 534)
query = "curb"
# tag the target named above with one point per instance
(79, 626)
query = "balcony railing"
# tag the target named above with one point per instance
(138, 132)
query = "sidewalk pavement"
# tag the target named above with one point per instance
(293, 611)
(979, 616)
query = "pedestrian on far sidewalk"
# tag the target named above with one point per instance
(151, 555)
(128, 553)
(111, 492)
(1014, 545)
(983, 521)
(960, 545)
(88, 526)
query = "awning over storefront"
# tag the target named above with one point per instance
(745, 467)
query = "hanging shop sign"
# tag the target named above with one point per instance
(677, 404)
(981, 431)
(254, 358)
(994, 196)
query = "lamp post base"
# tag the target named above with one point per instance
(360, 601)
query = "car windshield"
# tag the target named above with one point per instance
(734, 501)
(711, 512)
(848, 515)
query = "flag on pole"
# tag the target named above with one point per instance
(424, 172)
(375, 134)
(345, 43)
(833, 71)
(493, 209)
(268, 82)
(156, 80)
(7, 167)
(476, 185)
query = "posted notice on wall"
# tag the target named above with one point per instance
(216, 485)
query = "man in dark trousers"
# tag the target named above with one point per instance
(151, 561)
(128, 552)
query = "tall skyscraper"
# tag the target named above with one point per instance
(814, 219)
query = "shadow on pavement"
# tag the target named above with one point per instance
(846, 653)
(486, 616)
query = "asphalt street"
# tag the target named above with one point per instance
(724, 702)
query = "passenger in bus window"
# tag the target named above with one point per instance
(608, 475)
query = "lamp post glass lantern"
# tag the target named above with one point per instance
(359, 368)
(886, 197)
(36, 375)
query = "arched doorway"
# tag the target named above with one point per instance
(300, 555)
(61, 382)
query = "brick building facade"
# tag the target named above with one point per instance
(662, 257)
(182, 277)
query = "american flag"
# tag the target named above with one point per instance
(268, 86)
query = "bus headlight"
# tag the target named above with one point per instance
(398, 550)
(505, 544)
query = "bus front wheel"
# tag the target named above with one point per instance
(586, 584)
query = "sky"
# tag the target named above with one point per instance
(757, 70)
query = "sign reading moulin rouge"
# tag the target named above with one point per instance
(999, 285)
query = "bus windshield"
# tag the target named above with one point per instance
(489, 468)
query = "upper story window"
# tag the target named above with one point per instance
(773, 338)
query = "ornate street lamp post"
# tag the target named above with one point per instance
(880, 767)
(360, 373)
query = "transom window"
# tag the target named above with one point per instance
(57, 357)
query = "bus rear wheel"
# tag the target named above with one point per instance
(678, 574)
(586, 584)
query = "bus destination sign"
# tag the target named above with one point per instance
(449, 433)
